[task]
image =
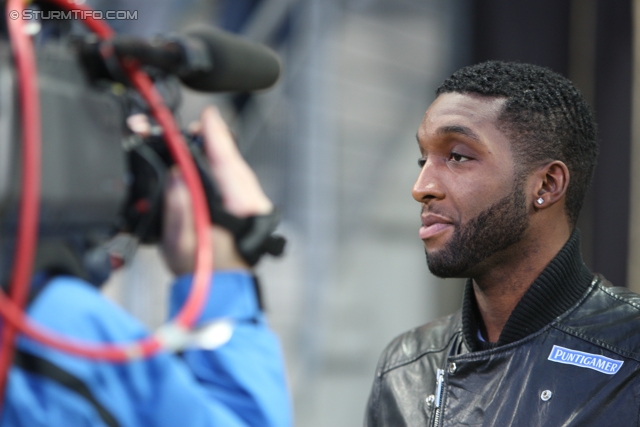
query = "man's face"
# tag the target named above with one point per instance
(473, 203)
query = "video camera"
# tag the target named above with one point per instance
(99, 178)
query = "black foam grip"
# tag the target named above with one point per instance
(237, 64)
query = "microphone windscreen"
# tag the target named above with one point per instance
(238, 64)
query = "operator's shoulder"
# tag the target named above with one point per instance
(610, 317)
(76, 308)
(433, 337)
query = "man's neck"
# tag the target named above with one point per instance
(499, 289)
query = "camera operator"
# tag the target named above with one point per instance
(240, 382)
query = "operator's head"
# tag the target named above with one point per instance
(508, 152)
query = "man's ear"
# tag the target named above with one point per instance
(551, 182)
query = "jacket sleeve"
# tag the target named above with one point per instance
(371, 416)
(245, 374)
(239, 383)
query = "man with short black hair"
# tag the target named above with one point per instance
(508, 152)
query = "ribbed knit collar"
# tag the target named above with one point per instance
(560, 285)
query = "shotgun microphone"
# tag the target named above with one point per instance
(206, 59)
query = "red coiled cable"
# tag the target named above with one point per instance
(27, 234)
(11, 310)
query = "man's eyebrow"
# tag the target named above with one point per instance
(460, 130)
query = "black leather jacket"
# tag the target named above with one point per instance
(581, 368)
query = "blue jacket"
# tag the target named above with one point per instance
(240, 383)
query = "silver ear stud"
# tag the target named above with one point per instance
(540, 200)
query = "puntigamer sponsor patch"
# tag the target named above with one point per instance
(585, 360)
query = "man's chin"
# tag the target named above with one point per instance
(448, 274)
(442, 265)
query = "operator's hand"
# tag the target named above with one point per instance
(241, 193)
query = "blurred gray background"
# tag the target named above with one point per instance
(334, 146)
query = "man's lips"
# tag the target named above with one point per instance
(433, 224)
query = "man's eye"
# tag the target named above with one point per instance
(458, 158)
(421, 162)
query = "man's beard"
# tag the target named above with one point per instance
(498, 227)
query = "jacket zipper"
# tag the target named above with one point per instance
(438, 400)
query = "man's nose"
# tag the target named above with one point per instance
(428, 185)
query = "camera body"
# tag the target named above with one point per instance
(91, 175)
(84, 170)
(97, 177)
